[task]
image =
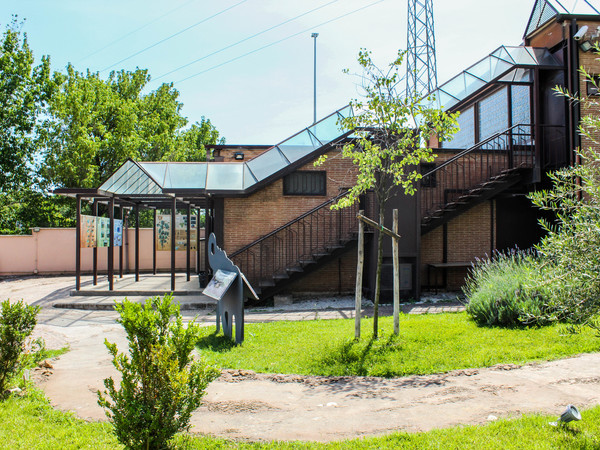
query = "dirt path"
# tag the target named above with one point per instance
(288, 407)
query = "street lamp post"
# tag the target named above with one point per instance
(314, 36)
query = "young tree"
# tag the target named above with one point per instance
(392, 131)
(161, 384)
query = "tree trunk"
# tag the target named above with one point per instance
(378, 275)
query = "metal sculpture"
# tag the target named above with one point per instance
(230, 287)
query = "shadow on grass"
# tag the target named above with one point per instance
(351, 357)
(214, 342)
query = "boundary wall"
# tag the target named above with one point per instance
(52, 251)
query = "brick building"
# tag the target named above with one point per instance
(269, 205)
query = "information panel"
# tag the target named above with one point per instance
(219, 284)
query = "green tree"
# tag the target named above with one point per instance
(94, 125)
(392, 131)
(25, 90)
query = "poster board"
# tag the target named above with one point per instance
(88, 231)
(102, 231)
(181, 232)
(118, 233)
(217, 287)
(163, 232)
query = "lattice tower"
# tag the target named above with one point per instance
(421, 72)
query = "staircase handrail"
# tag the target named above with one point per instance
(475, 147)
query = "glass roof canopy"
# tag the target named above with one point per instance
(504, 64)
(159, 178)
(545, 10)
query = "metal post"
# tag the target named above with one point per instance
(314, 36)
(121, 246)
(173, 216)
(188, 242)
(78, 246)
(154, 244)
(137, 242)
(95, 249)
(197, 240)
(111, 236)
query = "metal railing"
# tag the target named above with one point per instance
(298, 243)
(471, 168)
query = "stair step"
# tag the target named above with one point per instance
(306, 262)
(266, 283)
(331, 248)
(320, 255)
(294, 269)
(281, 276)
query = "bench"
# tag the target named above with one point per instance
(443, 267)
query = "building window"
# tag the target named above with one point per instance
(465, 137)
(493, 114)
(593, 87)
(429, 181)
(305, 183)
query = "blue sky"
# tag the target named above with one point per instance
(266, 96)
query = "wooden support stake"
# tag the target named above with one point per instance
(396, 256)
(375, 225)
(359, 276)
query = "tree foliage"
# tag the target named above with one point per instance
(392, 131)
(95, 125)
(161, 384)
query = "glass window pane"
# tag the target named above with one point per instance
(298, 146)
(155, 170)
(187, 175)
(249, 179)
(465, 137)
(521, 108)
(327, 129)
(493, 114)
(267, 164)
(224, 176)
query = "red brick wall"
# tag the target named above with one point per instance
(247, 219)
(469, 237)
(591, 63)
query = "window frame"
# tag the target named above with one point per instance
(322, 173)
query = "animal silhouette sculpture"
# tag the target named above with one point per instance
(230, 307)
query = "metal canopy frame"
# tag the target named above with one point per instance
(126, 202)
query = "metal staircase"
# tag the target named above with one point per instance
(476, 175)
(298, 247)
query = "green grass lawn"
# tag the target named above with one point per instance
(31, 423)
(427, 344)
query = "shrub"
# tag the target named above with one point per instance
(161, 383)
(17, 321)
(501, 291)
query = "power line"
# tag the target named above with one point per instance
(173, 35)
(135, 31)
(243, 40)
(279, 41)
